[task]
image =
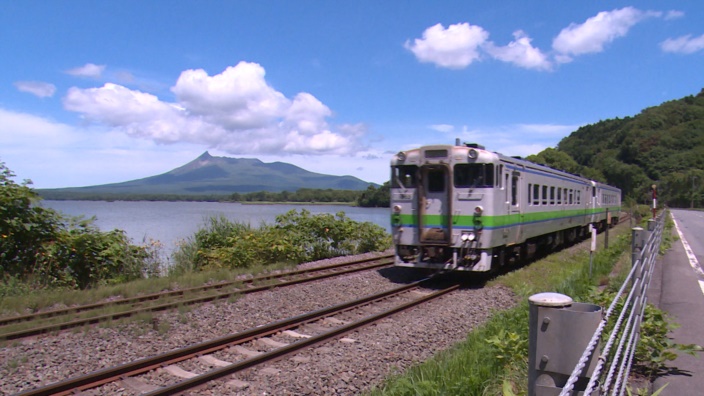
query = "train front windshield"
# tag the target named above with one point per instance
(404, 176)
(474, 175)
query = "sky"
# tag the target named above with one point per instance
(95, 92)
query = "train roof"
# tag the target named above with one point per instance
(512, 160)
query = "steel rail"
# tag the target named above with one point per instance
(103, 376)
(163, 307)
(292, 348)
(155, 296)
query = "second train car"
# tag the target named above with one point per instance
(465, 208)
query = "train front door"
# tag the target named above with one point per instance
(435, 205)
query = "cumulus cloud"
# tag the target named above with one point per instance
(462, 44)
(37, 88)
(455, 47)
(597, 31)
(521, 53)
(236, 111)
(88, 70)
(683, 45)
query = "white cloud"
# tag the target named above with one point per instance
(455, 47)
(514, 139)
(673, 14)
(37, 88)
(521, 53)
(684, 44)
(597, 31)
(88, 70)
(444, 128)
(236, 111)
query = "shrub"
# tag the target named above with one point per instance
(295, 237)
(41, 248)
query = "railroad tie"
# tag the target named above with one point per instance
(179, 372)
(213, 361)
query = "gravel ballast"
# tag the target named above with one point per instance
(346, 366)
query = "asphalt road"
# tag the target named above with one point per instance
(677, 288)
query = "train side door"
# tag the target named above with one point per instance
(515, 207)
(435, 205)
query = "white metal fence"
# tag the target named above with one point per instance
(613, 361)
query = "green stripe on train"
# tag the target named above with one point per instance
(498, 221)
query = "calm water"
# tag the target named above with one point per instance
(171, 222)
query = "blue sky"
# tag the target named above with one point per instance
(95, 92)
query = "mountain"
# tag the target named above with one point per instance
(209, 175)
(663, 145)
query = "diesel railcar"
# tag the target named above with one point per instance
(461, 207)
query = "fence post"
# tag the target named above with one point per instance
(559, 332)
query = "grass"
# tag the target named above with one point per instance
(479, 367)
(54, 299)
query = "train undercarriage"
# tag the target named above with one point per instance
(469, 257)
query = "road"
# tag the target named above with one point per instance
(677, 288)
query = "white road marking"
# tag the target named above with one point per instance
(693, 262)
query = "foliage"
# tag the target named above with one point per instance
(295, 237)
(510, 347)
(376, 197)
(41, 248)
(303, 195)
(654, 348)
(663, 145)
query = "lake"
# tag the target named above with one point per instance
(171, 222)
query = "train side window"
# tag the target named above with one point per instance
(514, 190)
(404, 176)
(559, 196)
(530, 194)
(571, 196)
(545, 195)
(564, 193)
(552, 195)
(579, 197)
(536, 194)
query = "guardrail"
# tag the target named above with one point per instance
(560, 331)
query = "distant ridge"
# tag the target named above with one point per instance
(209, 175)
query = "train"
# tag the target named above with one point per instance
(461, 207)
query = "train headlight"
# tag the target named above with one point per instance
(401, 156)
(472, 154)
(397, 208)
(468, 237)
(478, 210)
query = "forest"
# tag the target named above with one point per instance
(661, 146)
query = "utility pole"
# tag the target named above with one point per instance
(655, 202)
(691, 206)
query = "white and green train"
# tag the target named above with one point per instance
(465, 208)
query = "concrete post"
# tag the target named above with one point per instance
(559, 332)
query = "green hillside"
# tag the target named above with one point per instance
(663, 145)
(214, 176)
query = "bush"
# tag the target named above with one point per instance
(41, 248)
(296, 237)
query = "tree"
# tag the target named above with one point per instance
(24, 226)
(41, 246)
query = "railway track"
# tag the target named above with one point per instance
(16, 327)
(307, 330)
